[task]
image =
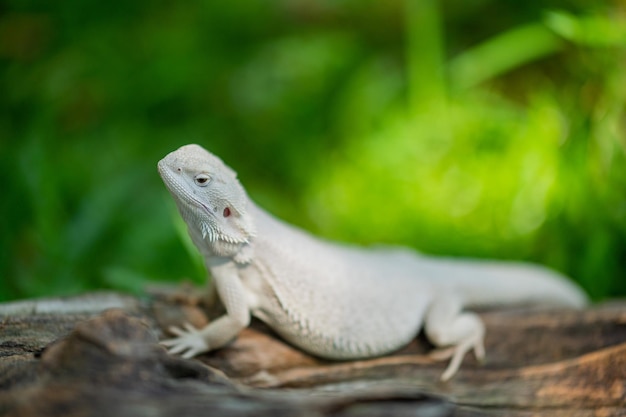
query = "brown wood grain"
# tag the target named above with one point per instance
(540, 362)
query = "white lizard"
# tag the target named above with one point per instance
(332, 300)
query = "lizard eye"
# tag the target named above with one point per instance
(202, 180)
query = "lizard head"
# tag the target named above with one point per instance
(209, 197)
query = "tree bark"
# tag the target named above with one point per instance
(97, 355)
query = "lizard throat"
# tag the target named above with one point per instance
(213, 236)
(198, 216)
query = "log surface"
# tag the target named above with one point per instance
(97, 355)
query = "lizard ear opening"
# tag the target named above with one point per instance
(237, 226)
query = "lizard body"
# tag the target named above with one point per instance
(332, 300)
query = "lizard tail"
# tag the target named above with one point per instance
(493, 283)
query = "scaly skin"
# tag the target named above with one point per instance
(334, 301)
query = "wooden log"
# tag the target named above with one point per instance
(76, 356)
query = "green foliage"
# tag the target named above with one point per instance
(423, 123)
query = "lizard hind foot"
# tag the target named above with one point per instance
(456, 355)
(456, 331)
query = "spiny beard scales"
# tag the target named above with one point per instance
(209, 233)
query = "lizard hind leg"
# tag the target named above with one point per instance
(453, 330)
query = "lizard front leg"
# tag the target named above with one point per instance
(447, 326)
(191, 341)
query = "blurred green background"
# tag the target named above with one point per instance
(484, 128)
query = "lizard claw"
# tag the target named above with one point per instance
(188, 343)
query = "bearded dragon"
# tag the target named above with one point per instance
(332, 300)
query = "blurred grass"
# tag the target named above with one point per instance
(490, 129)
